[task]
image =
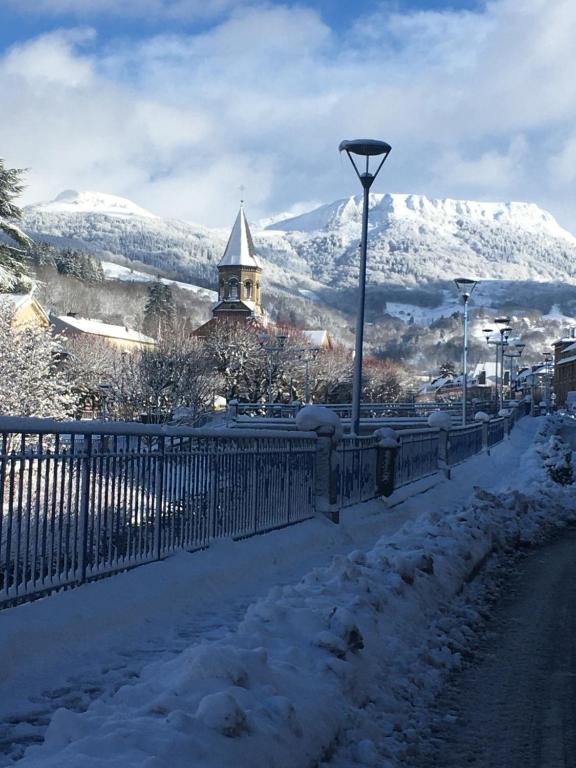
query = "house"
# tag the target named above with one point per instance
(119, 336)
(25, 310)
(565, 367)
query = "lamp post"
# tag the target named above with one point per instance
(307, 354)
(465, 286)
(504, 333)
(514, 351)
(365, 148)
(270, 348)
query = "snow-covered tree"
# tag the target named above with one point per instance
(13, 248)
(34, 380)
(159, 312)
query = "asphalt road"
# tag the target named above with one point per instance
(515, 706)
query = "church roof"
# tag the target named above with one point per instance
(240, 251)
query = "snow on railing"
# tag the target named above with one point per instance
(79, 500)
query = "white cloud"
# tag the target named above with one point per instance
(477, 105)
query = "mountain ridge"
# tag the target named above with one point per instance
(413, 240)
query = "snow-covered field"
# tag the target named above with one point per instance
(315, 643)
(114, 271)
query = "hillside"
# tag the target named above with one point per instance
(525, 260)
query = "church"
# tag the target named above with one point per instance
(240, 287)
(239, 280)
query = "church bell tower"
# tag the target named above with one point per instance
(239, 275)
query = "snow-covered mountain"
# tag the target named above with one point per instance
(414, 240)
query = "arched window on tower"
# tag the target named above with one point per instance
(248, 289)
(233, 289)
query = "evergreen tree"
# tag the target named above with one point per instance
(160, 310)
(15, 243)
(447, 369)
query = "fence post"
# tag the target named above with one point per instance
(159, 492)
(386, 453)
(443, 445)
(82, 553)
(485, 446)
(326, 490)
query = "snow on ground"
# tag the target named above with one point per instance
(114, 271)
(336, 661)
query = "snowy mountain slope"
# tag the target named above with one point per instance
(71, 201)
(414, 241)
(126, 275)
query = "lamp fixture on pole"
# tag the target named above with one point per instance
(366, 148)
(465, 286)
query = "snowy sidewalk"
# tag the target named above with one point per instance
(82, 645)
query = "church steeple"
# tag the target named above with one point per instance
(240, 251)
(239, 274)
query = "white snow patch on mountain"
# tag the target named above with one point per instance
(71, 201)
(125, 274)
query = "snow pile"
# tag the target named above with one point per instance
(440, 420)
(362, 645)
(314, 417)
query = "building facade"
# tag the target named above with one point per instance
(564, 368)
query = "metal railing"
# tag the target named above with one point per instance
(344, 410)
(496, 431)
(356, 469)
(463, 442)
(78, 502)
(416, 455)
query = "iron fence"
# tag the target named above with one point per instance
(496, 431)
(416, 456)
(76, 505)
(463, 442)
(356, 469)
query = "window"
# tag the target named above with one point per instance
(233, 289)
(248, 289)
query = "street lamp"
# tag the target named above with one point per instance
(514, 351)
(365, 148)
(504, 332)
(308, 355)
(271, 348)
(465, 286)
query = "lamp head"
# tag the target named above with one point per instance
(465, 285)
(366, 148)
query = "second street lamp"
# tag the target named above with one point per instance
(465, 285)
(366, 148)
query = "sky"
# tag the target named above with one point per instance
(185, 106)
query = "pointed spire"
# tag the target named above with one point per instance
(240, 250)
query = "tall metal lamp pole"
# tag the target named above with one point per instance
(366, 148)
(465, 285)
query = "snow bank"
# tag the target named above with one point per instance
(352, 652)
(482, 416)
